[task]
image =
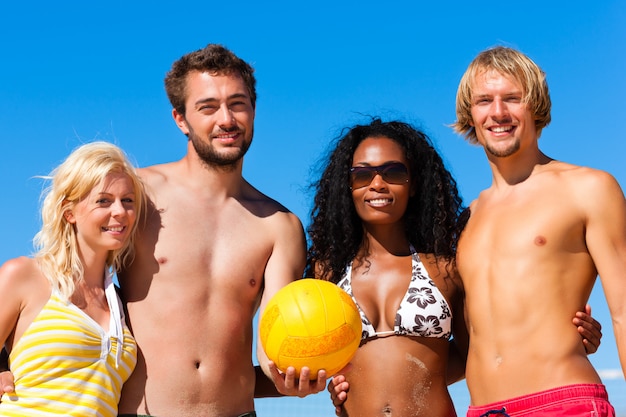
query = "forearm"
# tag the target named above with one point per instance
(4, 360)
(456, 365)
(264, 387)
(620, 339)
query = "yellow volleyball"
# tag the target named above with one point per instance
(313, 323)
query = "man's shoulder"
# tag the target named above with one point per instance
(569, 169)
(583, 177)
(155, 173)
(253, 197)
(275, 216)
(157, 178)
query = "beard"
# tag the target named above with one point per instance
(212, 158)
(503, 153)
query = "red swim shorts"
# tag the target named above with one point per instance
(589, 400)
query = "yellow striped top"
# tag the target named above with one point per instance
(66, 364)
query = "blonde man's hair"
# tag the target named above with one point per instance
(510, 63)
(56, 243)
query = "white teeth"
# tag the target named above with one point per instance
(227, 135)
(500, 129)
(114, 229)
(379, 201)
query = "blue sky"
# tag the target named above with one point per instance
(72, 72)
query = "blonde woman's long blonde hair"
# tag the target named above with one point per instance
(56, 242)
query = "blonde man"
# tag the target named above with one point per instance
(531, 250)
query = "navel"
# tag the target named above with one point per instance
(540, 240)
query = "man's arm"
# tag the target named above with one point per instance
(459, 345)
(264, 387)
(605, 208)
(285, 265)
(4, 360)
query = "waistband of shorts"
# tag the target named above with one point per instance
(545, 397)
(249, 414)
(133, 415)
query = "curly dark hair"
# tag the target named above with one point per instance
(214, 59)
(432, 215)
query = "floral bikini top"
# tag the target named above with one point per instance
(423, 311)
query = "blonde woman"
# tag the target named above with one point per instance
(61, 321)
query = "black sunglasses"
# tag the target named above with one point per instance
(391, 173)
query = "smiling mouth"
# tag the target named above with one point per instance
(114, 229)
(230, 135)
(378, 202)
(501, 129)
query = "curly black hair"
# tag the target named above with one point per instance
(432, 215)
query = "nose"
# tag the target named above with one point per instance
(118, 209)
(378, 182)
(499, 108)
(227, 117)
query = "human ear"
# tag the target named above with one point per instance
(69, 216)
(181, 122)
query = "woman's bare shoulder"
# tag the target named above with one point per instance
(19, 269)
(20, 277)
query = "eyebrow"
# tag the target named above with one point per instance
(106, 193)
(367, 164)
(214, 100)
(508, 94)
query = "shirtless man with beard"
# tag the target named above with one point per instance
(213, 250)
